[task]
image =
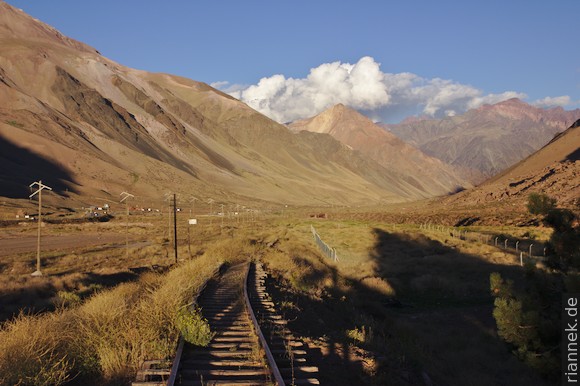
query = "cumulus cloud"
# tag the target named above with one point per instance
(219, 84)
(362, 86)
(227, 87)
(563, 100)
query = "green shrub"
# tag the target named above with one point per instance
(539, 203)
(193, 327)
(67, 299)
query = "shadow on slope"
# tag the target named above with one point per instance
(425, 314)
(19, 167)
(37, 295)
(447, 309)
(574, 156)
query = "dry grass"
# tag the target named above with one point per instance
(79, 270)
(32, 352)
(444, 327)
(95, 335)
(106, 337)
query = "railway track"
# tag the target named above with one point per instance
(251, 345)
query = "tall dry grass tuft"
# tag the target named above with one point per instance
(106, 337)
(31, 352)
(232, 250)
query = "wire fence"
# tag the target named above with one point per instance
(324, 248)
(520, 248)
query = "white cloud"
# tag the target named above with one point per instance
(362, 86)
(228, 88)
(219, 84)
(563, 100)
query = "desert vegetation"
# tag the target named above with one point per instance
(528, 312)
(97, 313)
(403, 304)
(107, 335)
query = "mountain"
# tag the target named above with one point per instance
(488, 139)
(90, 127)
(426, 176)
(553, 170)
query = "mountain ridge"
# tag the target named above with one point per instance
(489, 138)
(553, 170)
(111, 129)
(360, 133)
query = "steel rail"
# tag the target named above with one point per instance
(271, 362)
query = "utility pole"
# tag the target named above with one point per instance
(192, 199)
(124, 197)
(175, 226)
(210, 202)
(168, 199)
(41, 186)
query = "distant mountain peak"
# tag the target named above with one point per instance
(489, 138)
(415, 119)
(340, 109)
(513, 101)
(425, 175)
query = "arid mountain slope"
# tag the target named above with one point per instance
(490, 138)
(427, 174)
(553, 170)
(85, 124)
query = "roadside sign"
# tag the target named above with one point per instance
(192, 221)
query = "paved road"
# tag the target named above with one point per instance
(17, 245)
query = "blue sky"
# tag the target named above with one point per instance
(456, 54)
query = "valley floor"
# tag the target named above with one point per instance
(404, 304)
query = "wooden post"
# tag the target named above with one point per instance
(38, 233)
(125, 197)
(189, 238)
(127, 229)
(175, 226)
(41, 186)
